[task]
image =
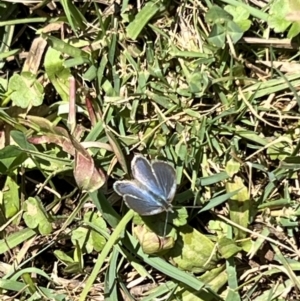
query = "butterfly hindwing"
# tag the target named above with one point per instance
(142, 206)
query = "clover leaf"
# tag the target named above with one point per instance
(36, 217)
(88, 239)
(25, 90)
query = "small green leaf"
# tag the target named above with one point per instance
(11, 197)
(294, 30)
(198, 82)
(26, 90)
(98, 240)
(227, 247)
(239, 205)
(11, 158)
(217, 15)
(58, 74)
(73, 268)
(179, 217)
(96, 220)
(189, 254)
(82, 236)
(232, 167)
(234, 31)
(237, 184)
(89, 239)
(219, 227)
(63, 257)
(277, 15)
(35, 216)
(21, 140)
(240, 16)
(217, 36)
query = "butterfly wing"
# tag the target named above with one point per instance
(138, 198)
(142, 171)
(166, 177)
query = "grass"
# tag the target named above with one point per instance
(210, 87)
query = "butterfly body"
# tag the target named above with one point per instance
(153, 188)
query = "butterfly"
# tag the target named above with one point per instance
(153, 188)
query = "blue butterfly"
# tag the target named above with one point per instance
(153, 188)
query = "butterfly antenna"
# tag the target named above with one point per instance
(196, 207)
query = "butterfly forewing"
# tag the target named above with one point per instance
(130, 188)
(143, 172)
(166, 177)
